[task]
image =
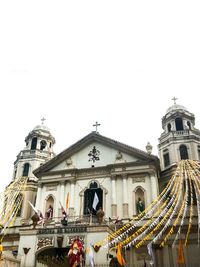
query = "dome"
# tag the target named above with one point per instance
(176, 107)
(41, 127)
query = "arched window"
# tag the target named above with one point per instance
(34, 143)
(139, 200)
(26, 169)
(169, 127)
(93, 194)
(166, 158)
(179, 124)
(183, 152)
(43, 144)
(189, 125)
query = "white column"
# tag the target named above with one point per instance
(61, 196)
(39, 195)
(62, 193)
(72, 195)
(125, 197)
(114, 199)
(154, 186)
(113, 181)
(56, 203)
(71, 203)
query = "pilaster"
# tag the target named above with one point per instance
(39, 195)
(125, 197)
(114, 199)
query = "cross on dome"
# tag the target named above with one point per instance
(43, 119)
(174, 99)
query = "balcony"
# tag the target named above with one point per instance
(75, 224)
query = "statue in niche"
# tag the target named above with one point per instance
(49, 212)
(140, 205)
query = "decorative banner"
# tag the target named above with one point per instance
(167, 214)
(10, 203)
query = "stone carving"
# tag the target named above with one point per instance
(149, 148)
(93, 172)
(51, 187)
(139, 180)
(43, 242)
(69, 162)
(119, 157)
(71, 239)
(94, 154)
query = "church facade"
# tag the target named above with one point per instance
(101, 183)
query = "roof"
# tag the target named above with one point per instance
(41, 127)
(94, 136)
(176, 107)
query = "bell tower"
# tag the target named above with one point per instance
(38, 150)
(179, 140)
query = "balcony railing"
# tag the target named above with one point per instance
(85, 220)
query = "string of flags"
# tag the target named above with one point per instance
(10, 203)
(166, 215)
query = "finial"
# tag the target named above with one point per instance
(43, 119)
(96, 125)
(174, 99)
(149, 148)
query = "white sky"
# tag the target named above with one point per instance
(77, 62)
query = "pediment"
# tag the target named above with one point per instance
(94, 150)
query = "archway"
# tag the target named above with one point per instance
(183, 152)
(89, 196)
(179, 124)
(139, 200)
(53, 257)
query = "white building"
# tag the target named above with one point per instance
(95, 165)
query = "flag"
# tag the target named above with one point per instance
(119, 255)
(67, 201)
(39, 213)
(95, 201)
(180, 256)
(91, 257)
(36, 211)
(151, 253)
(63, 210)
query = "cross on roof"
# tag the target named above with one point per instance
(43, 119)
(96, 125)
(174, 99)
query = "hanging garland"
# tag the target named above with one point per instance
(166, 215)
(10, 203)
